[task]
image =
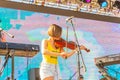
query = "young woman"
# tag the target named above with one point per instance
(50, 51)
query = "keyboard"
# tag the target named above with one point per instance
(22, 50)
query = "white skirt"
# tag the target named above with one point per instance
(47, 70)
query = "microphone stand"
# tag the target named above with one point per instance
(80, 77)
(10, 35)
(10, 54)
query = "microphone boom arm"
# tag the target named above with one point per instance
(10, 35)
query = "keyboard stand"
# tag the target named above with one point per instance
(10, 54)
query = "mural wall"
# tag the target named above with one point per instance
(102, 38)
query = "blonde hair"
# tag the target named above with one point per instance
(54, 30)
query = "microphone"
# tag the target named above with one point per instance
(10, 35)
(68, 19)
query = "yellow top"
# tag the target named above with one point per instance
(51, 59)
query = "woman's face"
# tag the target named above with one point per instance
(56, 38)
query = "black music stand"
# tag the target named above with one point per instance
(10, 54)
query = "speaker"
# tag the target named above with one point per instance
(34, 74)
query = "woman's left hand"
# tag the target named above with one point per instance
(82, 47)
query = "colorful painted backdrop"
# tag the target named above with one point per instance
(102, 38)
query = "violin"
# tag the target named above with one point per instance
(71, 45)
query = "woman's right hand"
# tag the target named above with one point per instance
(63, 54)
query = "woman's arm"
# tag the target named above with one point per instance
(82, 47)
(70, 53)
(67, 54)
(73, 51)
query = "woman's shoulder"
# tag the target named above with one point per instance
(45, 40)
